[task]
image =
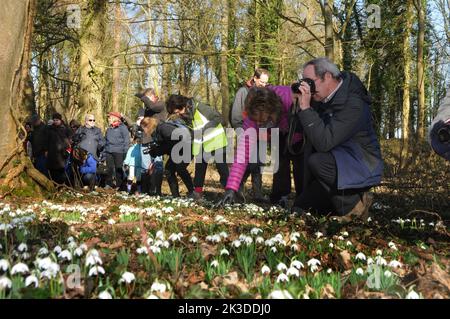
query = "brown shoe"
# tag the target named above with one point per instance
(360, 211)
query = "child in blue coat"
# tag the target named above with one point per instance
(88, 168)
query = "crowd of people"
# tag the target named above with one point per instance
(326, 137)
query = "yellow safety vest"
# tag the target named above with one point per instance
(213, 140)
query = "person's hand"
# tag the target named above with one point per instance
(228, 198)
(151, 169)
(305, 97)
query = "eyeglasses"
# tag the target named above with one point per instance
(91, 120)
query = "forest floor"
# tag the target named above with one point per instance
(103, 244)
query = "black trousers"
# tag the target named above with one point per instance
(114, 163)
(281, 185)
(202, 165)
(321, 193)
(59, 176)
(172, 170)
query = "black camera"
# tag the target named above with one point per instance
(444, 134)
(296, 86)
(150, 148)
(77, 138)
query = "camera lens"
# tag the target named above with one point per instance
(444, 134)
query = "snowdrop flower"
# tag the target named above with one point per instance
(265, 270)
(155, 249)
(51, 271)
(345, 234)
(387, 273)
(65, 254)
(280, 294)
(281, 267)
(329, 271)
(216, 238)
(331, 245)
(360, 271)
(94, 271)
(19, 268)
(318, 234)
(395, 264)
(5, 283)
(255, 231)
(159, 235)
(379, 252)
(293, 272)
(223, 235)
(32, 279)
(369, 219)
(93, 258)
(412, 295)
(282, 278)
(297, 264)
(83, 247)
(4, 264)
(22, 247)
(104, 295)
(193, 239)
(294, 237)
(57, 249)
(360, 256)
(78, 252)
(340, 238)
(42, 251)
(294, 247)
(349, 243)
(142, 250)
(259, 240)
(313, 264)
(72, 245)
(214, 263)
(176, 237)
(111, 222)
(248, 240)
(236, 243)
(224, 252)
(127, 277)
(158, 287)
(392, 246)
(274, 249)
(381, 261)
(70, 239)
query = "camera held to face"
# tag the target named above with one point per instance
(444, 134)
(296, 86)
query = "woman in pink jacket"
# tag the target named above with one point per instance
(268, 108)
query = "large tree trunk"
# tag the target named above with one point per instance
(420, 7)
(116, 71)
(92, 43)
(224, 85)
(16, 23)
(406, 82)
(327, 10)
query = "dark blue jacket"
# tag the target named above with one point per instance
(90, 139)
(344, 127)
(117, 139)
(89, 166)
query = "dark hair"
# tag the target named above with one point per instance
(56, 116)
(75, 123)
(176, 102)
(150, 91)
(259, 72)
(263, 100)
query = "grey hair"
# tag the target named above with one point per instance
(322, 66)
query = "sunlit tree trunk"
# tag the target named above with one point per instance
(16, 23)
(420, 7)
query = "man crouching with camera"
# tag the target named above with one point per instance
(439, 133)
(342, 155)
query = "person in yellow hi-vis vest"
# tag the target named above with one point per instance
(209, 138)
